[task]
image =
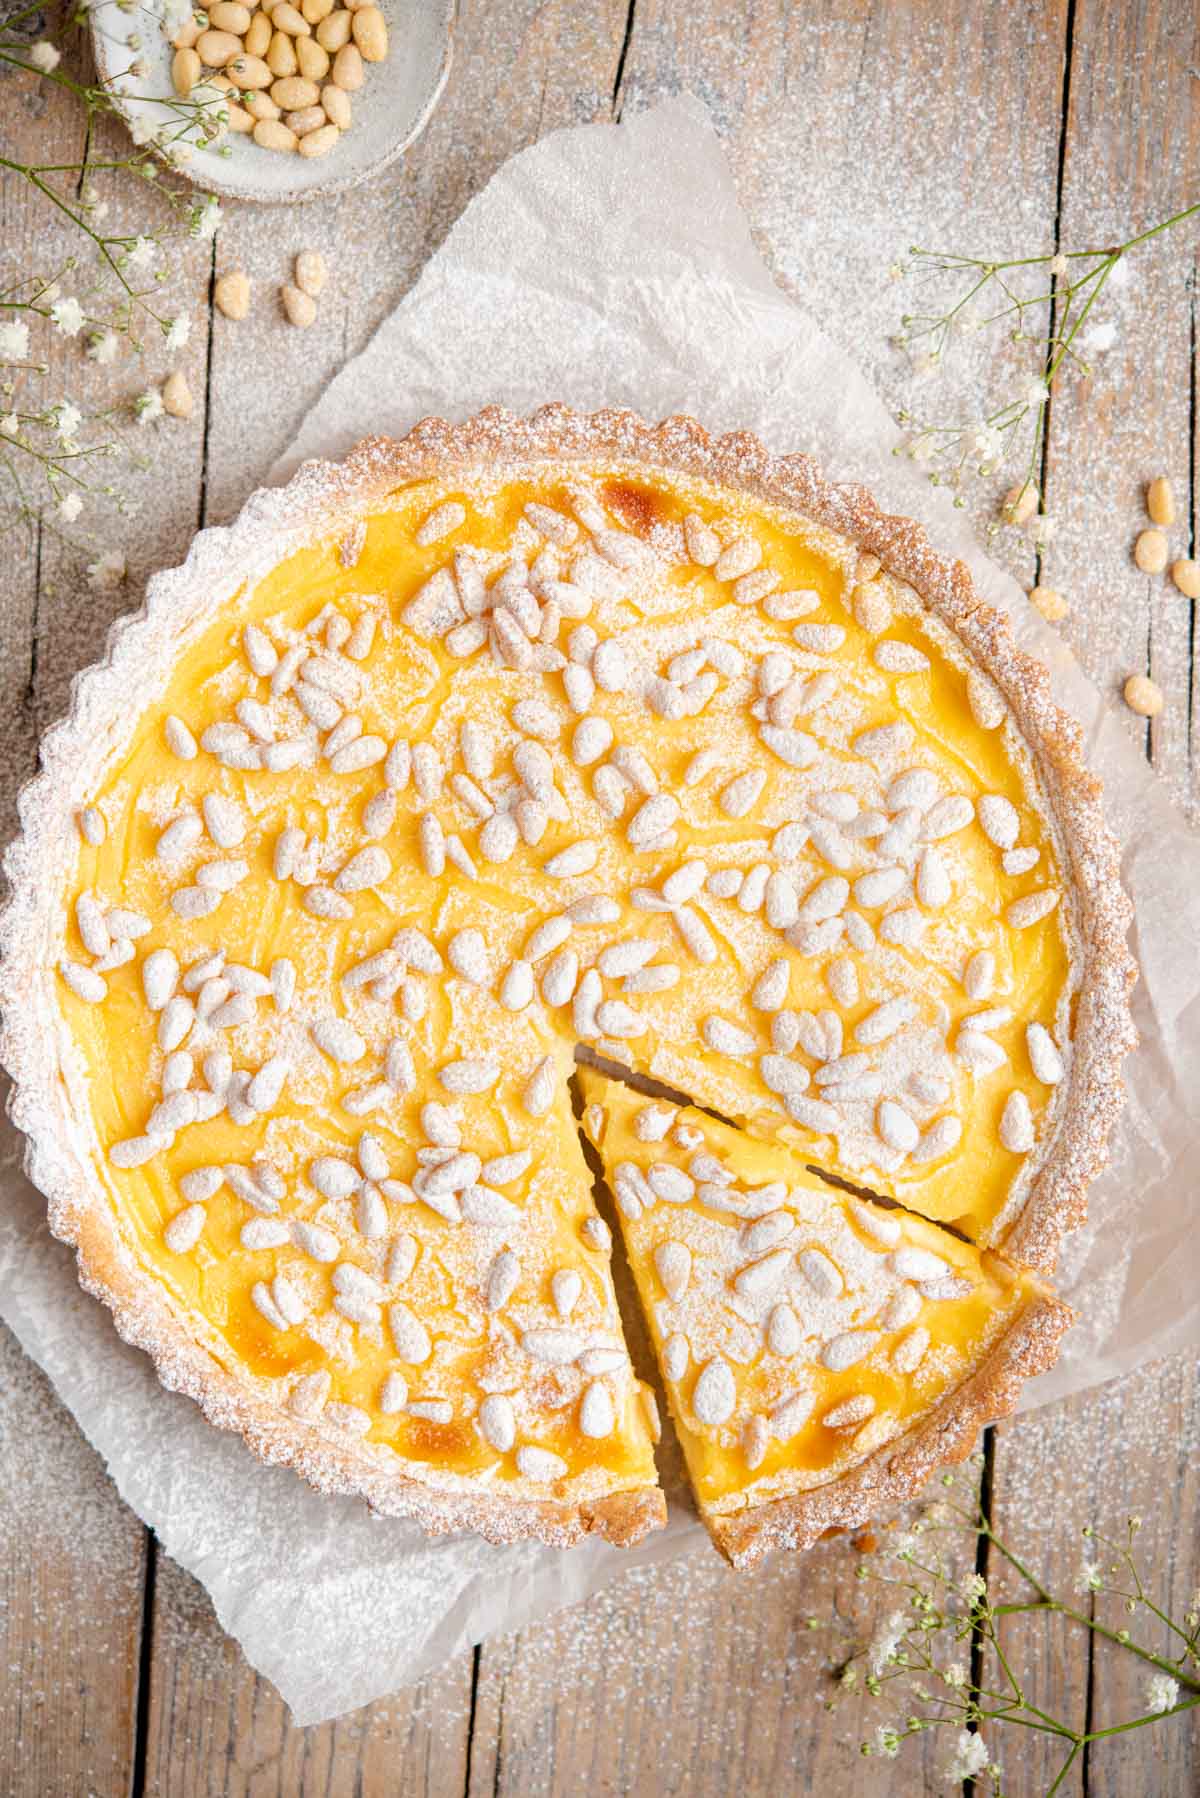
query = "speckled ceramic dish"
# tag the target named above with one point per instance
(390, 111)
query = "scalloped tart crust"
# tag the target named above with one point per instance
(523, 736)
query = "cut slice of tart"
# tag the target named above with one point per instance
(821, 1353)
(511, 736)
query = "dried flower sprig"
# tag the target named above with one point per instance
(1044, 300)
(931, 1656)
(117, 285)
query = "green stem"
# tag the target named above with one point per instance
(1120, 1729)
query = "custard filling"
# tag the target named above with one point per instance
(517, 764)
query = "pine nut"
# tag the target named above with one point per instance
(319, 143)
(261, 106)
(285, 17)
(1049, 602)
(240, 120)
(300, 308)
(311, 272)
(232, 291)
(177, 395)
(370, 33)
(1160, 501)
(223, 84)
(312, 59)
(338, 109)
(230, 15)
(316, 10)
(216, 48)
(348, 68)
(1143, 696)
(185, 38)
(258, 37)
(185, 71)
(1150, 552)
(310, 118)
(281, 55)
(1186, 575)
(250, 72)
(294, 93)
(334, 31)
(1019, 504)
(272, 134)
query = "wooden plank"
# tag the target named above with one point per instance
(71, 1554)
(1123, 168)
(217, 1730)
(690, 1681)
(71, 1564)
(1129, 1450)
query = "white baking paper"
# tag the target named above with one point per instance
(613, 265)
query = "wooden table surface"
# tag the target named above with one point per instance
(855, 127)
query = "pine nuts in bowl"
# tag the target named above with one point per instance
(314, 95)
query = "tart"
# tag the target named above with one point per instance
(821, 1353)
(509, 741)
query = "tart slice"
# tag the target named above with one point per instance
(821, 1353)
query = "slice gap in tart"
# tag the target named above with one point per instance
(821, 1353)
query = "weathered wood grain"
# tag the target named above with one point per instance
(692, 1681)
(72, 1559)
(216, 1730)
(72, 1556)
(1125, 167)
(1126, 1449)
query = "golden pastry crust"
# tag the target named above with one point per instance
(895, 1473)
(325, 499)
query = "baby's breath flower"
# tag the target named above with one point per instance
(987, 443)
(107, 572)
(1060, 264)
(886, 1640)
(67, 420)
(148, 406)
(955, 1675)
(970, 1758)
(44, 57)
(141, 255)
(103, 347)
(887, 1741)
(1091, 1577)
(177, 332)
(14, 340)
(69, 507)
(1035, 392)
(205, 217)
(973, 1587)
(68, 316)
(10, 424)
(1161, 1692)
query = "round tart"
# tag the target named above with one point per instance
(511, 740)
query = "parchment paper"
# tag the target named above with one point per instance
(613, 265)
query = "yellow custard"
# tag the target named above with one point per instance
(798, 1328)
(673, 787)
